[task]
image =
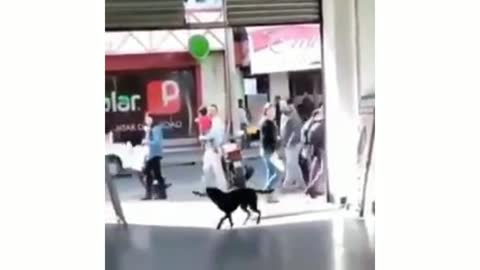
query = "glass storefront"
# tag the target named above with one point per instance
(169, 95)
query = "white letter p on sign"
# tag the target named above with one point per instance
(170, 92)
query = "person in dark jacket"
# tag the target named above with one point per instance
(269, 144)
(153, 169)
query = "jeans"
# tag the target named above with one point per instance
(153, 171)
(273, 175)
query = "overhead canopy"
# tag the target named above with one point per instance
(271, 12)
(121, 15)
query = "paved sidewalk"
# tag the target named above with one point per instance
(185, 209)
(204, 214)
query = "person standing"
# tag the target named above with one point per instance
(212, 156)
(268, 150)
(290, 137)
(153, 170)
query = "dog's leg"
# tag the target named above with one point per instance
(255, 209)
(230, 220)
(245, 209)
(221, 222)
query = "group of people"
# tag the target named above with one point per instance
(285, 137)
(291, 148)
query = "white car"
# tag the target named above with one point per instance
(124, 156)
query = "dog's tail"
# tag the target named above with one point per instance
(268, 191)
(199, 194)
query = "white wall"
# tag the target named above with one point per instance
(341, 100)
(279, 85)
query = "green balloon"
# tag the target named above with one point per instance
(199, 47)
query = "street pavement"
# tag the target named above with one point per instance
(185, 209)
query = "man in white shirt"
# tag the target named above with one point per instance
(212, 157)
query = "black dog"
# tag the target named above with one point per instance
(228, 202)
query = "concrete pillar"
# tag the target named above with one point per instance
(237, 93)
(279, 85)
(234, 83)
(341, 100)
(213, 84)
(317, 92)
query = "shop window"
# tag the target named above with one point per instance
(305, 81)
(306, 91)
(263, 84)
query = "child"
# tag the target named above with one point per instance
(204, 121)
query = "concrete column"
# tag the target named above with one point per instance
(233, 78)
(213, 84)
(317, 95)
(279, 85)
(237, 93)
(341, 100)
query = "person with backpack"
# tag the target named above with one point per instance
(312, 154)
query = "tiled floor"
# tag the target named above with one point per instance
(337, 243)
